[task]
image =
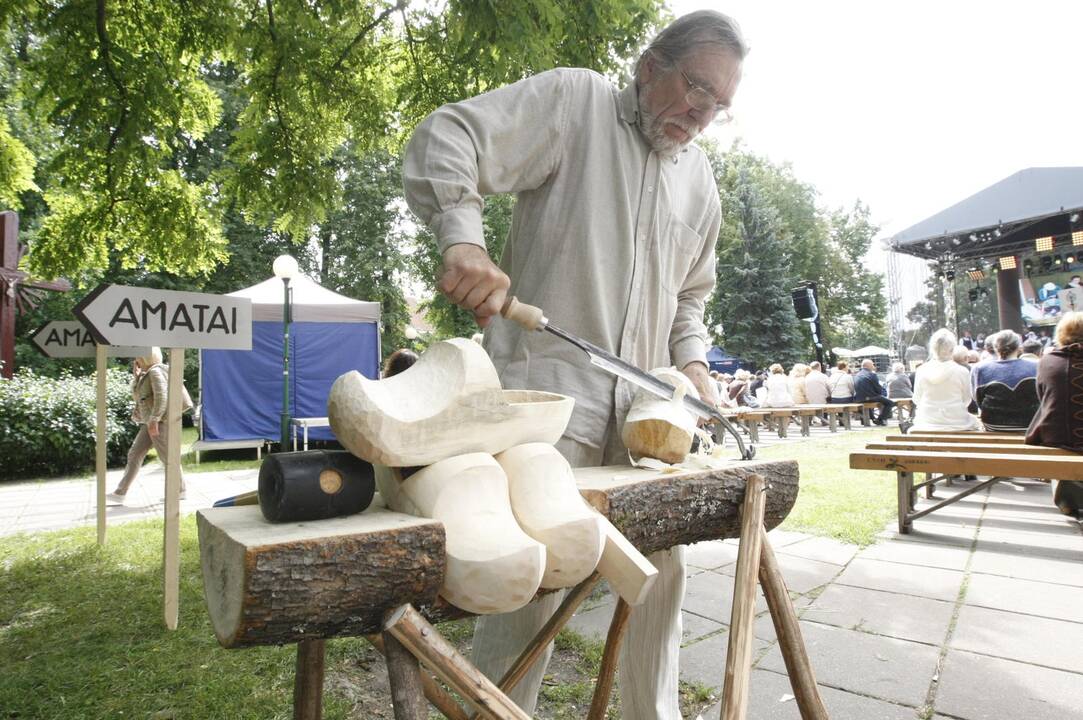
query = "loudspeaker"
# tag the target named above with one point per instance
(804, 303)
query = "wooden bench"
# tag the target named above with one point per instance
(201, 445)
(941, 456)
(904, 405)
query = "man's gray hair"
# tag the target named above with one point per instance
(703, 27)
(1006, 342)
(942, 344)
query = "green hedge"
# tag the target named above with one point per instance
(47, 425)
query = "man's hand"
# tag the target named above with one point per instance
(697, 373)
(152, 428)
(473, 282)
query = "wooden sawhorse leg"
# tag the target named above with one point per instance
(758, 559)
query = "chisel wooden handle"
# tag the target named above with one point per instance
(528, 316)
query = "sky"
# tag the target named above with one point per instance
(909, 107)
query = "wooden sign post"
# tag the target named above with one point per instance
(69, 339)
(118, 315)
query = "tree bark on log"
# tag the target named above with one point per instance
(271, 584)
(656, 511)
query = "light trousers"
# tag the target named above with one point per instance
(651, 646)
(138, 452)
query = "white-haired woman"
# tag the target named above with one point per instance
(942, 391)
(150, 385)
(778, 388)
(898, 383)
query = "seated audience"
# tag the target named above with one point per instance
(867, 388)
(959, 355)
(1032, 349)
(816, 388)
(797, 383)
(739, 390)
(778, 388)
(1005, 388)
(841, 384)
(898, 383)
(1059, 420)
(942, 391)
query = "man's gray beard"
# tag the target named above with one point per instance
(653, 128)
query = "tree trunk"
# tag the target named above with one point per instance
(269, 584)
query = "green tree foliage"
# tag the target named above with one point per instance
(815, 245)
(751, 305)
(362, 244)
(852, 297)
(131, 90)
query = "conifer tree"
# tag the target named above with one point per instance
(752, 295)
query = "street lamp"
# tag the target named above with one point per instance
(285, 267)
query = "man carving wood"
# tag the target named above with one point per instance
(613, 236)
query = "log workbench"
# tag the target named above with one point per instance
(271, 584)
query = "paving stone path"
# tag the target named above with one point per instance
(976, 615)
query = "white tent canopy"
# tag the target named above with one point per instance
(867, 351)
(311, 302)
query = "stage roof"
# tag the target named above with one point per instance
(1003, 219)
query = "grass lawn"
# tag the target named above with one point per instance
(833, 500)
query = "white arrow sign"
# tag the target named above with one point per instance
(122, 315)
(69, 339)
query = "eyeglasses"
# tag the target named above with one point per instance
(705, 102)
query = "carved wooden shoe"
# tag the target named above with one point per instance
(550, 509)
(448, 403)
(660, 428)
(492, 565)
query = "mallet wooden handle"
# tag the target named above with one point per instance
(528, 316)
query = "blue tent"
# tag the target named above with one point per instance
(241, 390)
(721, 361)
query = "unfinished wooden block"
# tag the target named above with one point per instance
(549, 508)
(492, 565)
(660, 428)
(448, 403)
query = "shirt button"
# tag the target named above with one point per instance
(650, 188)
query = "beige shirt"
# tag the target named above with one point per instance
(614, 242)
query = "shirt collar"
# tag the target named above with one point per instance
(629, 103)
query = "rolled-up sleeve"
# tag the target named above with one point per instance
(688, 337)
(503, 141)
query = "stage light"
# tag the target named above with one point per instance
(975, 273)
(949, 275)
(1077, 237)
(984, 291)
(928, 246)
(1074, 218)
(997, 232)
(956, 241)
(1028, 266)
(995, 270)
(973, 237)
(1008, 262)
(1046, 263)
(1070, 258)
(1057, 260)
(972, 293)
(1044, 244)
